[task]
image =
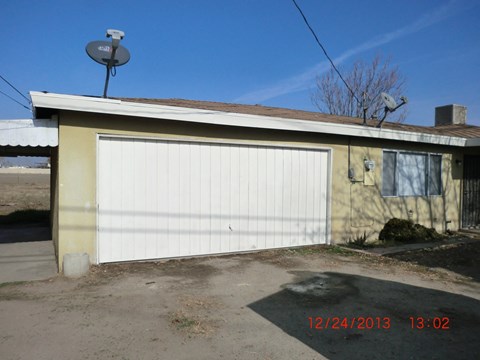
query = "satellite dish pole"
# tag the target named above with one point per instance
(116, 36)
(365, 107)
(109, 54)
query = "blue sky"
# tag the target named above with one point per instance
(246, 51)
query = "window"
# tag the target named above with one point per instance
(411, 174)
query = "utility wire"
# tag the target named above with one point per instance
(18, 102)
(14, 88)
(325, 51)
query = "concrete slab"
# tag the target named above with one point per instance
(27, 261)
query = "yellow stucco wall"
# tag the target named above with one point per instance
(356, 207)
(362, 207)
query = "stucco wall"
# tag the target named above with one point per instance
(364, 209)
(356, 207)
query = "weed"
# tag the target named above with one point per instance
(186, 323)
(358, 241)
(12, 283)
(305, 250)
(333, 249)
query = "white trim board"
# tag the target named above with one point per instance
(124, 108)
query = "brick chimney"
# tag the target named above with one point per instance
(450, 115)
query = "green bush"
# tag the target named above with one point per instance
(406, 231)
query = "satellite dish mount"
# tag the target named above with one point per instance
(109, 54)
(390, 105)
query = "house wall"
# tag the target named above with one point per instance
(356, 207)
(369, 210)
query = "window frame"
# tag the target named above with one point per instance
(427, 172)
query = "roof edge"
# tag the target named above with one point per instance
(155, 111)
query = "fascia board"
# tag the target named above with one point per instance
(473, 142)
(118, 107)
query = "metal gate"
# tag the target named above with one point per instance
(471, 192)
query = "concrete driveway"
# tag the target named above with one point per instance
(26, 253)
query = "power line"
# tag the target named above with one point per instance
(18, 102)
(325, 51)
(14, 88)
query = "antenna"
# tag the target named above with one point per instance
(109, 54)
(390, 105)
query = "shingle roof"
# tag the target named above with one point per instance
(464, 131)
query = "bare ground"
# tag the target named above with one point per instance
(459, 258)
(251, 306)
(24, 190)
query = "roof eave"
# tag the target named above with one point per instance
(473, 142)
(124, 108)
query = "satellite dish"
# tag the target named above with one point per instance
(389, 101)
(101, 52)
(390, 105)
(109, 54)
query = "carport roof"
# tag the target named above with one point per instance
(256, 116)
(28, 133)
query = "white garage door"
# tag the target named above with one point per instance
(161, 199)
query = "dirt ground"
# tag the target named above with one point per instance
(460, 258)
(253, 306)
(24, 189)
(312, 303)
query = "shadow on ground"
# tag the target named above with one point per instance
(328, 295)
(463, 259)
(25, 232)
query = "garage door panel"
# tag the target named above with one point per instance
(201, 242)
(173, 204)
(151, 190)
(162, 238)
(294, 200)
(270, 195)
(233, 190)
(262, 185)
(139, 201)
(252, 181)
(287, 198)
(183, 196)
(323, 184)
(104, 216)
(160, 199)
(195, 182)
(212, 221)
(304, 203)
(223, 234)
